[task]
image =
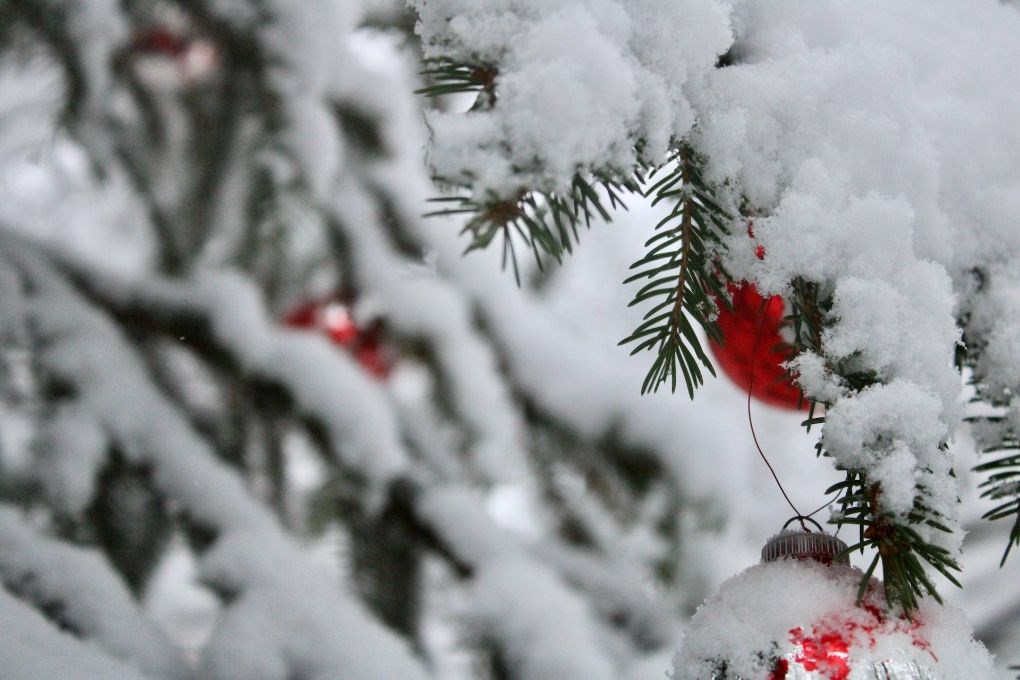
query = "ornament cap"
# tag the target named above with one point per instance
(803, 544)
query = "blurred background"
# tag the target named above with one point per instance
(219, 296)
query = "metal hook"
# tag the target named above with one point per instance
(801, 518)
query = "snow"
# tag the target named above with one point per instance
(816, 381)
(511, 597)
(618, 593)
(32, 649)
(994, 327)
(578, 84)
(884, 211)
(543, 630)
(879, 157)
(756, 615)
(356, 417)
(46, 185)
(429, 308)
(595, 391)
(72, 450)
(238, 645)
(879, 212)
(85, 596)
(284, 617)
(892, 430)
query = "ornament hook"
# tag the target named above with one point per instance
(801, 518)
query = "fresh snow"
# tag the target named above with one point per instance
(33, 649)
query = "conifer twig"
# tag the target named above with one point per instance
(685, 278)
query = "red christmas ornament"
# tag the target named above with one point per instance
(797, 616)
(333, 318)
(753, 351)
(157, 40)
(173, 56)
(824, 651)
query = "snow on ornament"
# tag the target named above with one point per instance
(796, 616)
(333, 316)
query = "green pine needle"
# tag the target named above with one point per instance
(1003, 487)
(447, 76)
(681, 276)
(547, 223)
(904, 554)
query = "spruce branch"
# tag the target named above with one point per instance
(684, 278)
(448, 76)
(546, 222)
(902, 551)
(1003, 483)
(998, 440)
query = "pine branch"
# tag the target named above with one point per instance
(546, 222)
(1003, 483)
(447, 76)
(903, 553)
(996, 434)
(684, 278)
(901, 550)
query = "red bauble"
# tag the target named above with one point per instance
(173, 56)
(801, 615)
(333, 318)
(753, 350)
(159, 40)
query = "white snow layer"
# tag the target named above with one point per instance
(32, 649)
(316, 72)
(548, 635)
(546, 631)
(81, 590)
(755, 617)
(880, 139)
(578, 84)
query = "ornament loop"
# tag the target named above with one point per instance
(801, 518)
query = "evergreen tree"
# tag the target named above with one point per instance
(237, 327)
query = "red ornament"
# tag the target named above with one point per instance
(754, 350)
(824, 651)
(800, 615)
(333, 318)
(173, 56)
(157, 40)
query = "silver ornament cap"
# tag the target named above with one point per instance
(885, 670)
(803, 544)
